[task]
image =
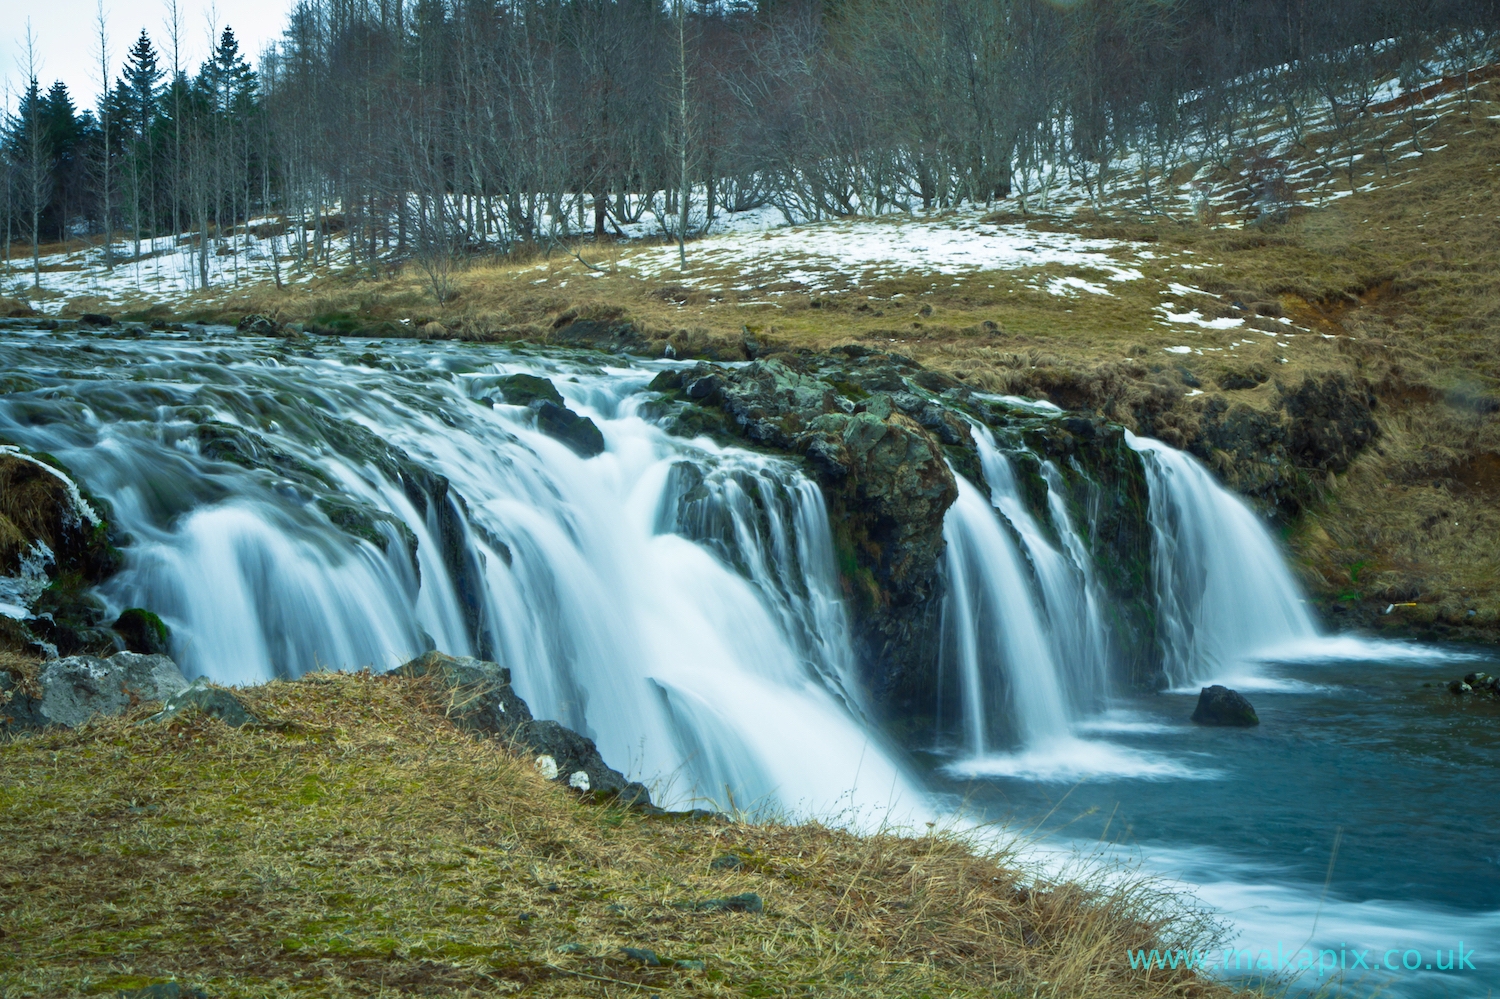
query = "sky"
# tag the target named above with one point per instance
(67, 37)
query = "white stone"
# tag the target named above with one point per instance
(579, 779)
(547, 766)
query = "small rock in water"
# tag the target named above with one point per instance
(1219, 705)
(644, 955)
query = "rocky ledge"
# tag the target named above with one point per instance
(69, 692)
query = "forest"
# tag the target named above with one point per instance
(437, 130)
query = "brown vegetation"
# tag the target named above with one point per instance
(360, 844)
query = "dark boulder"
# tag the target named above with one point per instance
(96, 319)
(259, 325)
(528, 390)
(482, 701)
(578, 432)
(142, 631)
(1221, 706)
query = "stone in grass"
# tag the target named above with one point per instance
(163, 990)
(642, 955)
(1221, 706)
(727, 862)
(216, 702)
(748, 902)
(78, 687)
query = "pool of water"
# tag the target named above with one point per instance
(1360, 817)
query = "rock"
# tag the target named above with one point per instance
(573, 754)
(96, 319)
(529, 390)
(481, 698)
(748, 902)
(578, 432)
(75, 689)
(1459, 688)
(1221, 706)
(642, 955)
(216, 702)
(163, 990)
(142, 631)
(482, 701)
(727, 862)
(258, 325)
(689, 965)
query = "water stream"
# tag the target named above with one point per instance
(350, 505)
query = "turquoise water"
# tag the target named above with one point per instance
(1374, 758)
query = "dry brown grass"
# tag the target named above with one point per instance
(361, 845)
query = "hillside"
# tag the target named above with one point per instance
(358, 843)
(1334, 360)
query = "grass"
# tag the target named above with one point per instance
(359, 844)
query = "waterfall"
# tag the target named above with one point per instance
(1022, 619)
(676, 601)
(1223, 592)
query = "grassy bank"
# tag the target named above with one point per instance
(359, 844)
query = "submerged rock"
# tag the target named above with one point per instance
(483, 701)
(1219, 705)
(70, 691)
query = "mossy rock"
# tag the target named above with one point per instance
(529, 390)
(142, 631)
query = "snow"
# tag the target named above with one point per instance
(1195, 318)
(1178, 350)
(834, 254)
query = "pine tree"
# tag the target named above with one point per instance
(137, 94)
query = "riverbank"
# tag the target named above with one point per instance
(359, 843)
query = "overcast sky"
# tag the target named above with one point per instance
(67, 38)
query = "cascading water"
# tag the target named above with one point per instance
(1224, 595)
(674, 600)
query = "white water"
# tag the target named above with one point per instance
(675, 601)
(1224, 595)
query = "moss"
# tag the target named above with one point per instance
(142, 631)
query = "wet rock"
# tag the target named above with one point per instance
(96, 319)
(483, 701)
(259, 325)
(1219, 705)
(528, 390)
(1477, 683)
(142, 631)
(216, 702)
(577, 432)
(75, 689)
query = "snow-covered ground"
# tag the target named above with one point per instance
(858, 251)
(761, 254)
